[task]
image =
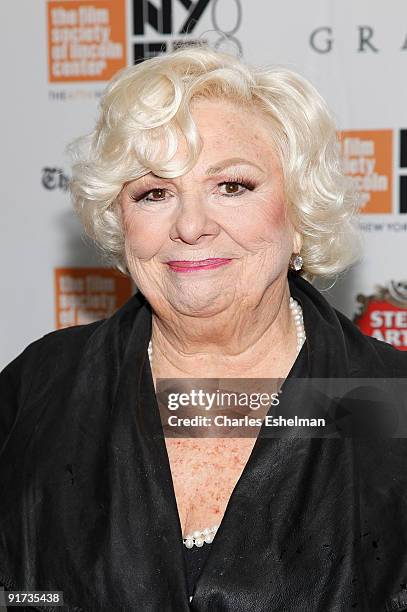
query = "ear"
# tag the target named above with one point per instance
(297, 242)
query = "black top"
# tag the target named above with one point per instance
(195, 558)
(89, 508)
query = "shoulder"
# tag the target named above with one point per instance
(369, 356)
(56, 344)
(47, 358)
(366, 356)
(68, 338)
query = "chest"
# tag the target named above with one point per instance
(204, 474)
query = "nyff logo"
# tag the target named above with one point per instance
(160, 18)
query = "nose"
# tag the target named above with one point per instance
(193, 221)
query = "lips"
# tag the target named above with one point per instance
(192, 264)
(185, 265)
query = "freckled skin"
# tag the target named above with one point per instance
(205, 472)
(231, 322)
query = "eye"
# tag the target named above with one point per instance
(156, 195)
(232, 187)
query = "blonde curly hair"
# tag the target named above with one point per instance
(142, 112)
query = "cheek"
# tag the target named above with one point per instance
(143, 234)
(277, 230)
(262, 225)
(274, 217)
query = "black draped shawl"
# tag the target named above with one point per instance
(87, 503)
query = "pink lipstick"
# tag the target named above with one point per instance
(192, 266)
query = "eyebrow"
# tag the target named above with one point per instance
(232, 161)
(226, 163)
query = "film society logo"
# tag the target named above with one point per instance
(383, 315)
(86, 40)
(367, 160)
(84, 295)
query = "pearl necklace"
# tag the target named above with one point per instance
(198, 538)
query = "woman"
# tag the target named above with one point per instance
(216, 186)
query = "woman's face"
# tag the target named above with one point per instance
(229, 206)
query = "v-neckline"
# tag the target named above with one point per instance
(298, 369)
(246, 525)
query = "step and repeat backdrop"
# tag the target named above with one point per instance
(57, 57)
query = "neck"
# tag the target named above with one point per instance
(253, 340)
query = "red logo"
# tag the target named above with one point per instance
(383, 315)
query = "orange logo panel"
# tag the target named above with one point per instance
(84, 295)
(368, 159)
(86, 40)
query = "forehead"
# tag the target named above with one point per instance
(229, 130)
